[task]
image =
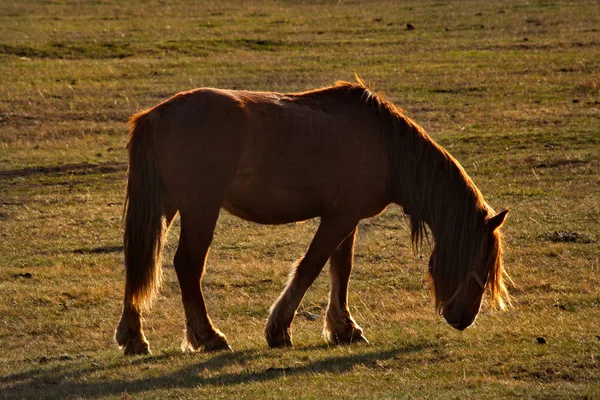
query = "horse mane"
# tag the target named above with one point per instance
(436, 193)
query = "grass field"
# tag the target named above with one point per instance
(510, 88)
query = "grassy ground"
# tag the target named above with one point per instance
(511, 88)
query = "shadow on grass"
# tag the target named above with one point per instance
(55, 381)
(66, 169)
(99, 250)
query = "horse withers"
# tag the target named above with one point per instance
(340, 153)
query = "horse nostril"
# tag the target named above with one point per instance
(460, 325)
(457, 320)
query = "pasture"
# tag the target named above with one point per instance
(509, 88)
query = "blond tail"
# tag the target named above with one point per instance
(144, 213)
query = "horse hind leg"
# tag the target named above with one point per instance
(190, 260)
(331, 232)
(129, 334)
(339, 325)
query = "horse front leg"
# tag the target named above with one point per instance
(331, 232)
(339, 326)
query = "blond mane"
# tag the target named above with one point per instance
(439, 198)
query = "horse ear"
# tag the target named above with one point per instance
(496, 221)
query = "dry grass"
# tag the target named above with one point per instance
(509, 88)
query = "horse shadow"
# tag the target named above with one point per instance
(64, 379)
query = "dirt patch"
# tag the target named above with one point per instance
(568, 237)
(17, 119)
(561, 163)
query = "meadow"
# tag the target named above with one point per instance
(510, 88)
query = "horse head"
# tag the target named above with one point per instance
(459, 292)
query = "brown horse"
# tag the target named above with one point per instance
(341, 153)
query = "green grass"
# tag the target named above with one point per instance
(510, 88)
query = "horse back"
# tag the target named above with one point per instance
(276, 157)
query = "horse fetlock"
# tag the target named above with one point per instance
(191, 342)
(132, 341)
(121, 335)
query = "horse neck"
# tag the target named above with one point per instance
(431, 185)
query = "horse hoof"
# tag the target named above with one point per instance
(279, 342)
(277, 337)
(355, 336)
(137, 347)
(225, 348)
(217, 343)
(131, 343)
(359, 339)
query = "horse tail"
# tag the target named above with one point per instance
(144, 213)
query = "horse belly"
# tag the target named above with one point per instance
(268, 202)
(294, 191)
